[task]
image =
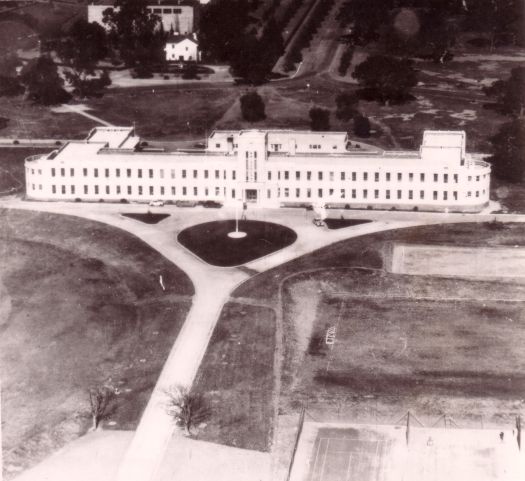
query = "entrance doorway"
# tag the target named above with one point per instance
(251, 195)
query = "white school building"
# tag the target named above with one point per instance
(266, 168)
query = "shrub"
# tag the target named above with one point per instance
(319, 119)
(361, 126)
(252, 107)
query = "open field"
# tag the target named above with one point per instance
(367, 453)
(15, 35)
(12, 176)
(236, 377)
(81, 308)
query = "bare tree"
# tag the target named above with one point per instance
(99, 399)
(188, 408)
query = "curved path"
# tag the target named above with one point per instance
(213, 286)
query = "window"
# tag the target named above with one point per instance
(331, 176)
(217, 191)
(278, 175)
(161, 171)
(410, 177)
(388, 176)
(422, 177)
(140, 190)
(107, 189)
(233, 193)
(151, 190)
(96, 189)
(455, 178)
(162, 191)
(172, 190)
(287, 192)
(376, 176)
(129, 190)
(320, 175)
(376, 194)
(365, 194)
(62, 172)
(195, 174)
(469, 194)
(297, 193)
(269, 175)
(63, 189)
(84, 172)
(172, 173)
(286, 175)
(387, 194)
(233, 174)
(469, 178)
(365, 175)
(33, 186)
(445, 178)
(342, 176)
(195, 191)
(435, 195)
(308, 175)
(217, 174)
(399, 176)
(184, 191)
(354, 176)
(399, 194)
(217, 146)
(106, 172)
(343, 194)
(410, 194)
(95, 172)
(477, 193)
(330, 192)
(54, 189)
(183, 173)
(319, 192)
(72, 172)
(139, 173)
(455, 195)
(128, 172)
(421, 194)
(268, 193)
(86, 189)
(477, 178)
(205, 173)
(445, 195)
(354, 193)
(308, 192)
(297, 175)
(435, 177)
(72, 189)
(118, 189)
(117, 172)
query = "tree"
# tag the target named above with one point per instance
(346, 106)
(188, 408)
(99, 399)
(361, 126)
(319, 119)
(510, 93)
(9, 82)
(508, 158)
(387, 79)
(252, 107)
(43, 83)
(81, 49)
(136, 33)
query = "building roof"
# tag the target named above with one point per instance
(113, 137)
(180, 38)
(150, 3)
(443, 138)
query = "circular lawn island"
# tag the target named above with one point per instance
(210, 241)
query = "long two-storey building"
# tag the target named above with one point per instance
(267, 168)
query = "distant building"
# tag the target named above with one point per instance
(182, 48)
(267, 168)
(175, 15)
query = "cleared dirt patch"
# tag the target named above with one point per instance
(85, 310)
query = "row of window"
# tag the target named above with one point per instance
(281, 175)
(281, 193)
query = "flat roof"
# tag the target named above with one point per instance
(114, 137)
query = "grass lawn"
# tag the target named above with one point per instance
(148, 218)
(81, 308)
(210, 241)
(12, 172)
(341, 223)
(236, 377)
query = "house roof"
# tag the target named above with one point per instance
(180, 38)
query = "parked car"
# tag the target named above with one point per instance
(211, 204)
(319, 222)
(156, 203)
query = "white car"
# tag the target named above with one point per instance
(156, 203)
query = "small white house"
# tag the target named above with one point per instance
(182, 48)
